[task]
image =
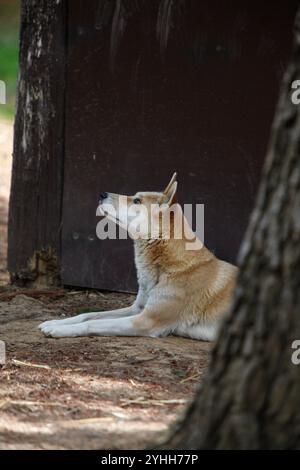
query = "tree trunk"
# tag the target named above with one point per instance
(34, 238)
(250, 398)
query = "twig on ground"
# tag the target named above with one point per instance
(36, 294)
(79, 422)
(8, 402)
(150, 402)
(191, 377)
(29, 364)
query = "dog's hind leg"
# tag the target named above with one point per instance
(201, 331)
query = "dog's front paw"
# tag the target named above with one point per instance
(47, 323)
(51, 329)
(55, 330)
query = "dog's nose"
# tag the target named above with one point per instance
(103, 196)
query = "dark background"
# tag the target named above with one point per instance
(158, 86)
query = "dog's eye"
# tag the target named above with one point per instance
(137, 200)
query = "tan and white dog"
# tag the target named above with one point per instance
(182, 291)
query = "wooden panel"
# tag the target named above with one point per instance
(36, 193)
(158, 86)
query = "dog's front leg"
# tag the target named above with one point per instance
(83, 317)
(134, 309)
(139, 325)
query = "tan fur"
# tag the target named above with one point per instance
(181, 291)
(202, 285)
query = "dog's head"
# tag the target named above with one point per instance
(146, 214)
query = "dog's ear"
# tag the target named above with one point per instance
(174, 178)
(170, 196)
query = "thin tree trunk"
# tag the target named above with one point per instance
(34, 240)
(251, 395)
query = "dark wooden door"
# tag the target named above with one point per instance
(157, 86)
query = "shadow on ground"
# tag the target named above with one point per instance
(89, 393)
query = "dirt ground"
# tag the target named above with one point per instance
(83, 393)
(89, 393)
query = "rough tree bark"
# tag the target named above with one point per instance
(37, 175)
(250, 398)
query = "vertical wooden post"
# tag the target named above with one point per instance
(38, 155)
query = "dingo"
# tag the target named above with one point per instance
(182, 291)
